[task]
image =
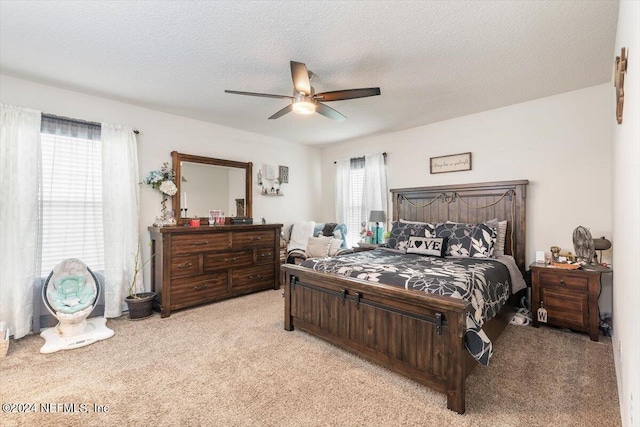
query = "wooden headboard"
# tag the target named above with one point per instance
(469, 203)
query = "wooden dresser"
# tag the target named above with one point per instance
(569, 296)
(197, 265)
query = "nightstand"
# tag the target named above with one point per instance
(569, 296)
(365, 247)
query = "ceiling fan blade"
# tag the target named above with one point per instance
(282, 112)
(263, 95)
(300, 77)
(329, 112)
(339, 95)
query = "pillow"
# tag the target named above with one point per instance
(498, 249)
(401, 231)
(334, 246)
(468, 240)
(404, 221)
(501, 229)
(434, 246)
(318, 247)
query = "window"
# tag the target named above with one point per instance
(71, 193)
(361, 186)
(355, 211)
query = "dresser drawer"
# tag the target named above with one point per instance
(185, 266)
(252, 278)
(190, 291)
(197, 243)
(565, 308)
(266, 255)
(251, 239)
(226, 260)
(563, 280)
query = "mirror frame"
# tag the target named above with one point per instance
(182, 157)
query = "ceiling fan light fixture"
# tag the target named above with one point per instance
(303, 104)
(304, 107)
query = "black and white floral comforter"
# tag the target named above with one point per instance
(485, 283)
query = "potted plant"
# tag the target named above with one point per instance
(140, 304)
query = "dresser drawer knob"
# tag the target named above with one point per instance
(256, 238)
(185, 265)
(267, 254)
(562, 282)
(197, 288)
(230, 259)
(200, 243)
(259, 276)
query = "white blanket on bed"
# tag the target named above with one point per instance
(300, 234)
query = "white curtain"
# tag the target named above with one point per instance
(342, 185)
(120, 194)
(19, 215)
(375, 184)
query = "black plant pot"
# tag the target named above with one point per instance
(140, 307)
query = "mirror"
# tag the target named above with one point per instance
(205, 184)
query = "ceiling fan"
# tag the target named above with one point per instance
(305, 100)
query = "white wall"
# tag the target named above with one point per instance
(561, 144)
(161, 133)
(626, 220)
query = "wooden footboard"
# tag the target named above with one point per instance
(415, 334)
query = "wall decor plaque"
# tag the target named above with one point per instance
(451, 163)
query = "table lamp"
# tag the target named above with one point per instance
(601, 244)
(377, 217)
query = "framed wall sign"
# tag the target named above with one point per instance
(283, 174)
(269, 172)
(451, 163)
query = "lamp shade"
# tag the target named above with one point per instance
(377, 216)
(601, 244)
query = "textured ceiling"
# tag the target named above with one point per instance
(433, 60)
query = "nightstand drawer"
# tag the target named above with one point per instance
(563, 280)
(565, 308)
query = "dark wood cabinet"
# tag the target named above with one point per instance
(569, 296)
(197, 265)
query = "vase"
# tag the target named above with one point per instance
(167, 218)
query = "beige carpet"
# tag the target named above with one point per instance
(232, 364)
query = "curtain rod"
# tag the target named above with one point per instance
(136, 131)
(383, 154)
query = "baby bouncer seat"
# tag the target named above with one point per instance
(70, 293)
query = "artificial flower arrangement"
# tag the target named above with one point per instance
(162, 180)
(365, 235)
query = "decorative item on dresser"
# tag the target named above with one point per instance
(197, 265)
(568, 298)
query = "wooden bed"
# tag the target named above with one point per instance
(416, 334)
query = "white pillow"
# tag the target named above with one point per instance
(404, 221)
(334, 247)
(498, 250)
(318, 247)
(433, 246)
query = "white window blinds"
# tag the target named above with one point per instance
(71, 193)
(355, 210)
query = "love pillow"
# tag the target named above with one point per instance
(433, 246)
